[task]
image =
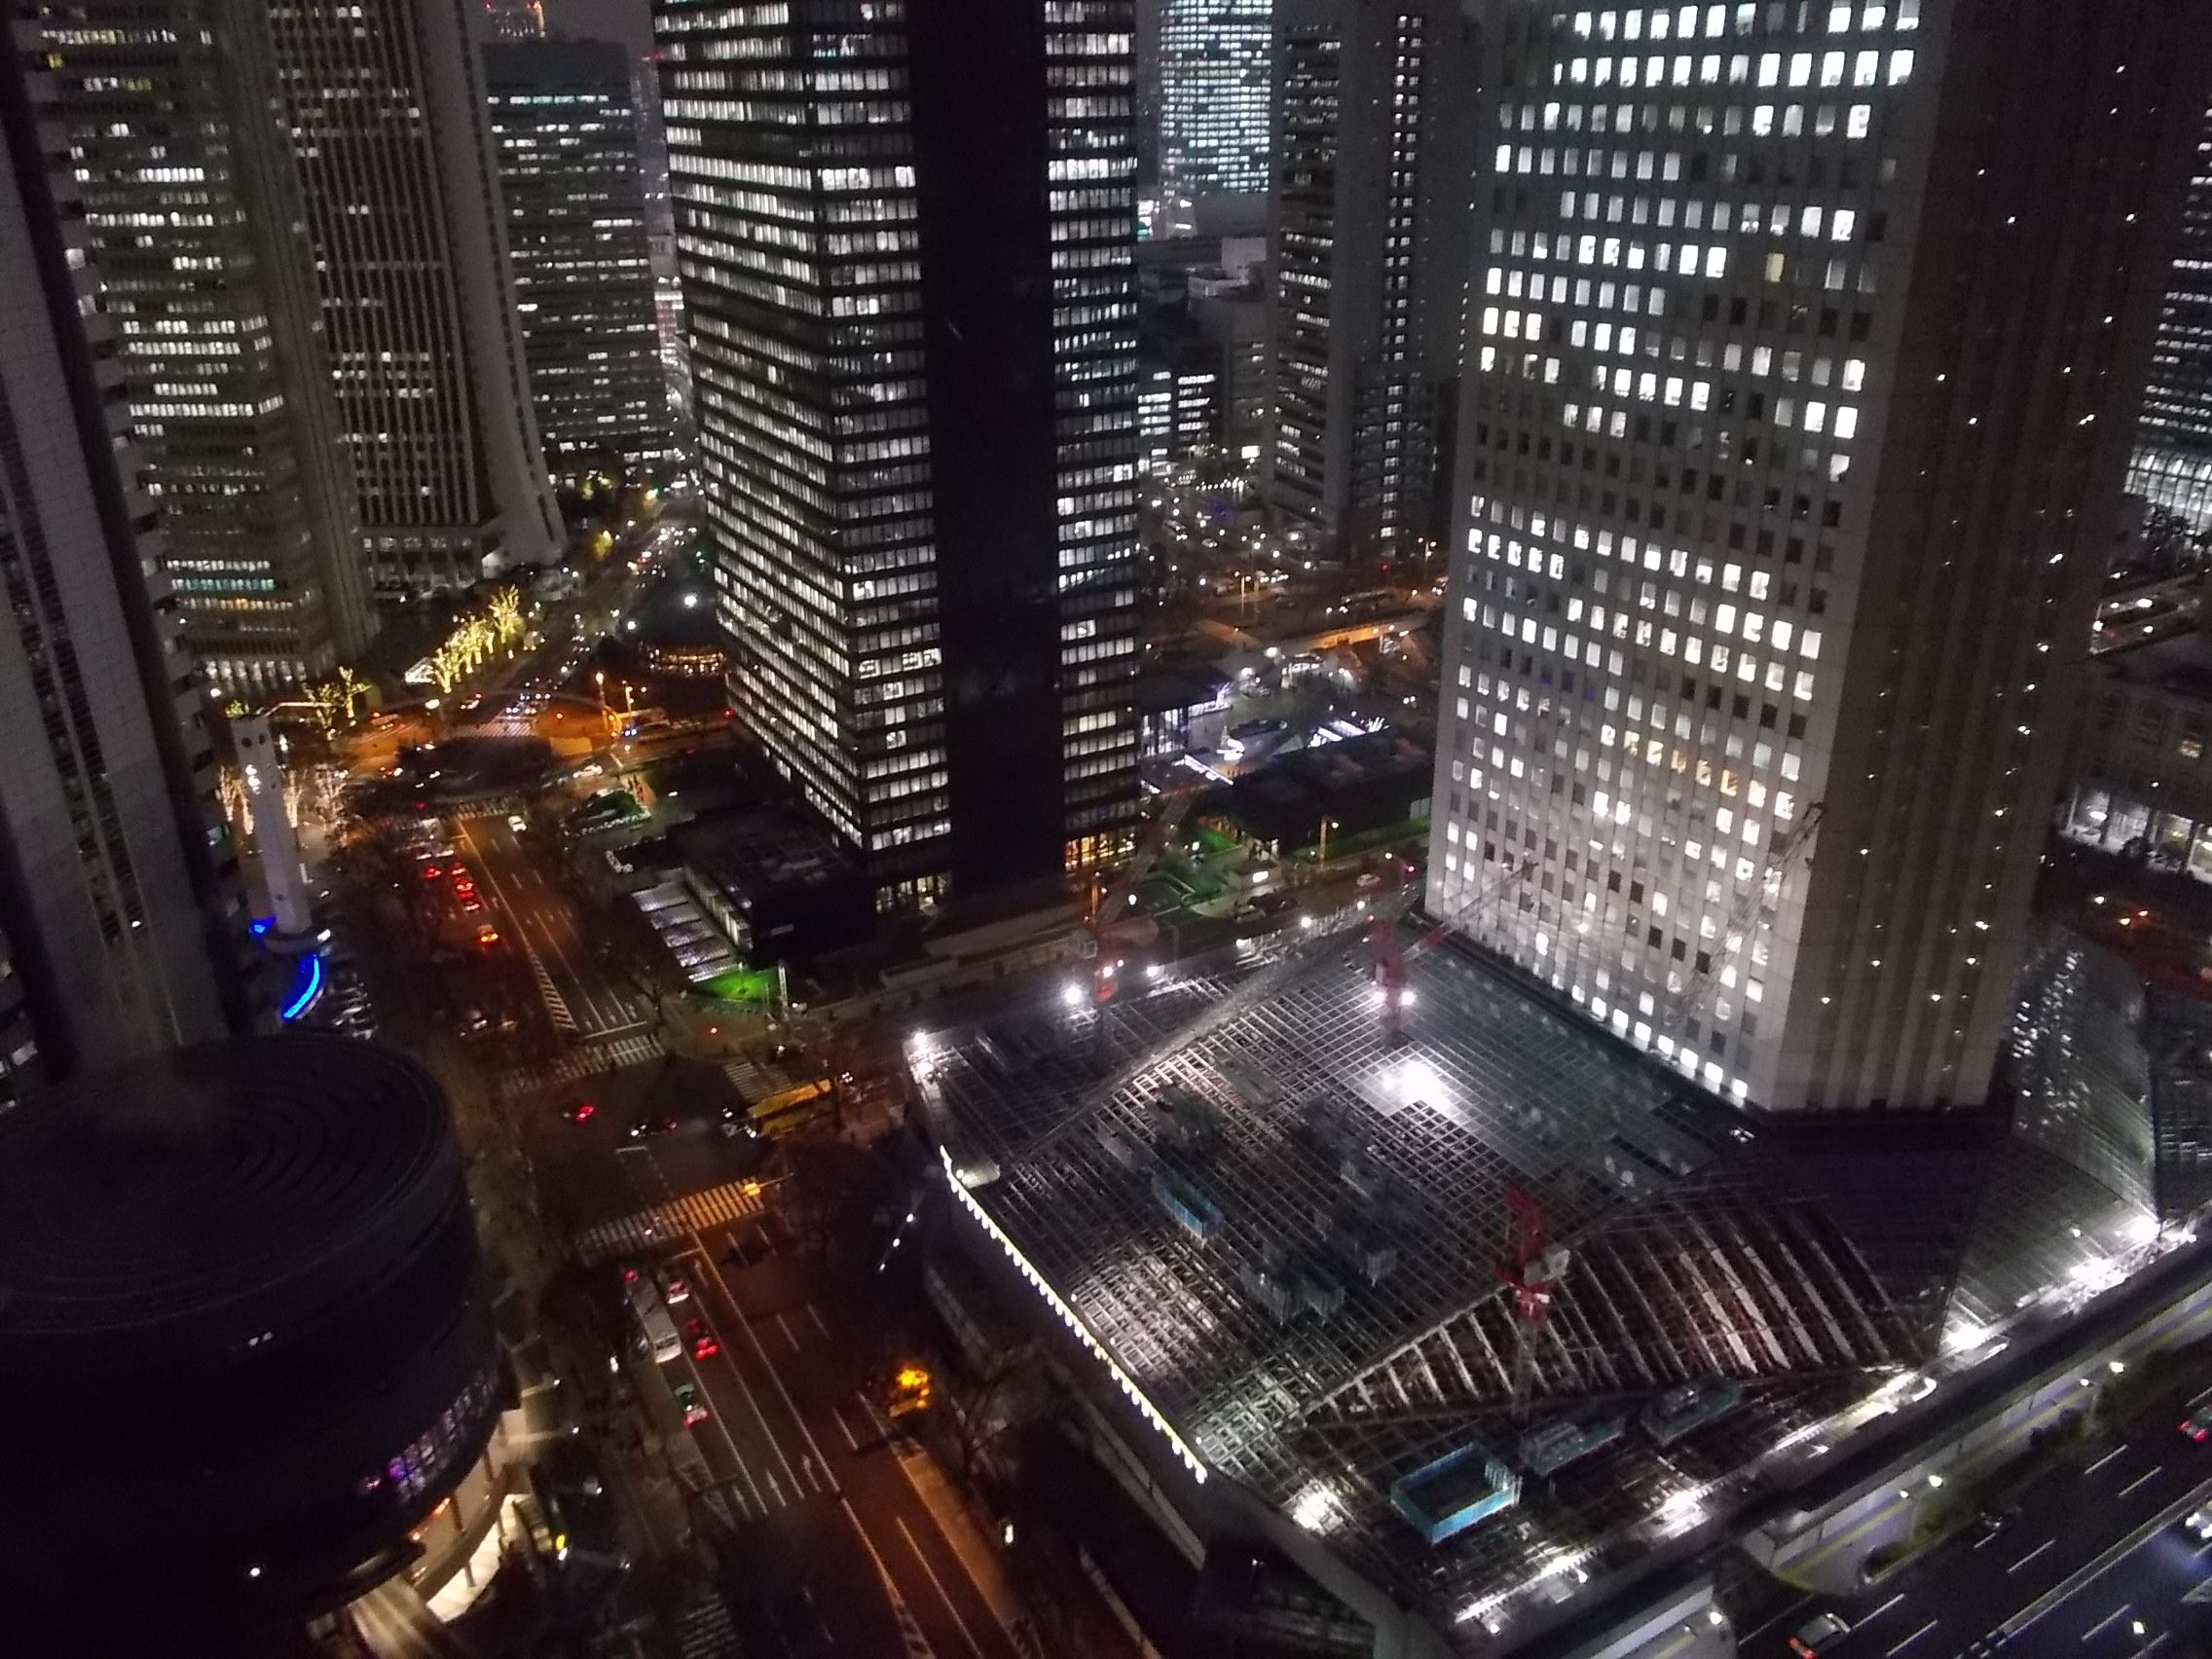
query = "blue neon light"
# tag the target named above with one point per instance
(261, 926)
(311, 987)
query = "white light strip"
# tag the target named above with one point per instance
(1074, 1322)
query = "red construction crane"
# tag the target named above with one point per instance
(1391, 954)
(1530, 1265)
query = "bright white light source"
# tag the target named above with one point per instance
(1072, 995)
(1314, 1508)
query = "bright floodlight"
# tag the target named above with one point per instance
(1072, 994)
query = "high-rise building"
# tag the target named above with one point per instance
(199, 236)
(1213, 95)
(1374, 168)
(1802, 372)
(2173, 446)
(394, 146)
(912, 317)
(121, 905)
(570, 174)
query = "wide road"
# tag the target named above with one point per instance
(826, 1510)
(1952, 1603)
(583, 993)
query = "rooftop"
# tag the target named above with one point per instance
(1289, 1237)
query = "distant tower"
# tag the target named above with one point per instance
(2173, 445)
(510, 19)
(197, 231)
(386, 100)
(1213, 81)
(570, 174)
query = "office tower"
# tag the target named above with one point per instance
(120, 901)
(570, 174)
(206, 276)
(1802, 375)
(2172, 466)
(385, 104)
(1374, 163)
(1213, 95)
(912, 319)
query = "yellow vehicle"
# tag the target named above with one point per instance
(790, 1110)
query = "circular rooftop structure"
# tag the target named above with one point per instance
(244, 1347)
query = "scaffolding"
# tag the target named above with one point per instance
(1287, 1230)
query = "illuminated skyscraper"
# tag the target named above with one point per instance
(1804, 362)
(385, 104)
(207, 277)
(569, 174)
(1214, 95)
(510, 20)
(121, 905)
(2173, 447)
(912, 317)
(1374, 180)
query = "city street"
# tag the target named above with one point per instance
(568, 959)
(1960, 1597)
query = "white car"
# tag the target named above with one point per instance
(2199, 1523)
(517, 822)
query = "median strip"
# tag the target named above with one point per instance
(2082, 1576)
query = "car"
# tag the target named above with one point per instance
(655, 1123)
(694, 1408)
(2199, 1523)
(705, 1345)
(472, 905)
(1368, 878)
(517, 822)
(582, 1112)
(1821, 1630)
(674, 1287)
(2198, 1424)
(487, 936)
(1987, 1525)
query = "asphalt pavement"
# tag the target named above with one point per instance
(1960, 1598)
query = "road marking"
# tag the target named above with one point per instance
(787, 1330)
(1910, 1639)
(938, 1584)
(815, 1314)
(2107, 1622)
(774, 1376)
(729, 1441)
(917, 1645)
(1883, 1609)
(2106, 1458)
(2136, 1481)
(850, 1440)
(2030, 1555)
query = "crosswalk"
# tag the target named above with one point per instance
(705, 1630)
(652, 1228)
(581, 1062)
(548, 992)
(749, 1080)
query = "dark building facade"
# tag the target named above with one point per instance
(566, 124)
(120, 895)
(912, 320)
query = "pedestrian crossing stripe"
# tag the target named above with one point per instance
(915, 1644)
(549, 993)
(749, 1080)
(584, 1062)
(653, 1229)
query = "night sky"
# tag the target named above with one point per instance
(630, 21)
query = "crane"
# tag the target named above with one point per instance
(1531, 1267)
(1391, 954)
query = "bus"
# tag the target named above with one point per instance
(656, 1331)
(790, 1110)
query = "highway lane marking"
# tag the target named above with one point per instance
(2030, 1555)
(938, 1584)
(2136, 1481)
(761, 1416)
(729, 1441)
(2102, 1625)
(774, 1376)
(787, 1330)
(1910, 1639)
(853, 1441)
(2106, 1458)
(814, 1313)
(1883, 1609)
